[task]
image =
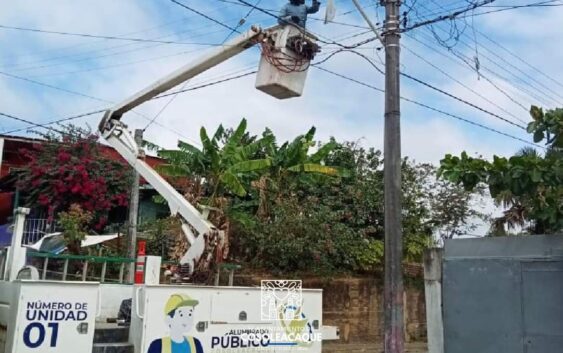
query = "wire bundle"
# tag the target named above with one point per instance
(304, 51)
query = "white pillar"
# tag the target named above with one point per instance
(152, 270)
(433, 295)
(16, 256)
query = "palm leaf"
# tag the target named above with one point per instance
(323, 152)
(174, 156)
(230, 148)
(319, 169)
(232, 183)
(184, 146)
(210, 148)
(250, 166)
(219, 133)
(173, 170)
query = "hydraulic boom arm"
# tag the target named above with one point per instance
(202, 244)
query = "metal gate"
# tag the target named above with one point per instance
(503, 295)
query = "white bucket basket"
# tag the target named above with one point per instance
(283, 70)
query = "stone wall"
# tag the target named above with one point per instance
(355, 305)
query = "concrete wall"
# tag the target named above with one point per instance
(355, 305)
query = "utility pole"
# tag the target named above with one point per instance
(133, 215)
(393, 289)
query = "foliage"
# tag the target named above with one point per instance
(74, 223)
(528, 185)
(305, 238)
(71, 168)
(303, 206)
(329, 225)
(220, 163)
(164, 238)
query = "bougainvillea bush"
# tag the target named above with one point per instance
(71, 167)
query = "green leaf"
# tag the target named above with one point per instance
(232, 183)
(538, 136)
(323, 152)
(250, 166)
(173, 170)
(318, 169)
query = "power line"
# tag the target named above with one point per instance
(52, 87)
(469, 62)
(175, 95)
(242, 20)
(58, 121)
(495, 62)
(9, 116)
(462, 100)
(462, 84)
(519, 58)
(459, 99)
(105, 55)
(205, 16)
(406, 99)
(516, 7)
(35, 30)
(318, 35)
(546, 91)
(467, 65)
(205, 85)
(450, 16)
(74, 46)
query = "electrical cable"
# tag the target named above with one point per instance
(35, 30)
(542, 95)
(53, 87)
(450, 16)
(461, 83)
(516, 7)
(205, 16)
(174, 96)
(467, 65)
(406, 99)
(462, 100)
(9, 116)
(58, 121)
(242, 20)
(459, 99)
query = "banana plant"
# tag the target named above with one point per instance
(222, 163)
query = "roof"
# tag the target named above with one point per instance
(151, 160)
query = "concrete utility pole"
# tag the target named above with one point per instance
(393, 289)
(133, 215)
(393, 292)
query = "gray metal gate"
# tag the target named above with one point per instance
(503, 295)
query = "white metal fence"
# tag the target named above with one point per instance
(37, 228)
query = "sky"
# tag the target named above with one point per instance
(63, 75)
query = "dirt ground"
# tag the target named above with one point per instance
(417, 347)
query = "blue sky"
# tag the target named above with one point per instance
(110, 70)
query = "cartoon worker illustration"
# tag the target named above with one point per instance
(179, 315)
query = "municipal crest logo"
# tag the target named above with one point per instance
(277, 295)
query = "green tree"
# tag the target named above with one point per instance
(74, 223)
(529, 185)
(220, 164)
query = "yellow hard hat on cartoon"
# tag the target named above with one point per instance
(177, 301)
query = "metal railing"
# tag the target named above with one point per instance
(80, 268)
(37, 228)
